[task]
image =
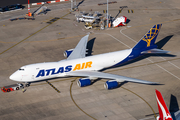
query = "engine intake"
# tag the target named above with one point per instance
(111, 84)
(83, 82)
(68, 52)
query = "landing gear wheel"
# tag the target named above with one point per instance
(8, 90)
(27, 85)
(17, 88)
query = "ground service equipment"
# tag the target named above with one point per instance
(12, 87)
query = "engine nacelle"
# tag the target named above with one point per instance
(83, 82)
(68, 52)
(111, 84)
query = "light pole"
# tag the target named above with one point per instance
(75, 3)
(71, 4)
(29, 13)
(107, 15)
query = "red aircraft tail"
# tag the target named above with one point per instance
(164, 113)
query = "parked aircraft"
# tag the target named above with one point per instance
(164, 113)
(77, 64)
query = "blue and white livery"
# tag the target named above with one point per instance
(77, 64)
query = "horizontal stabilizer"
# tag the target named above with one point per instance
(155, 51)
(118, 78)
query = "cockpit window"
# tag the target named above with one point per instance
(21, 69)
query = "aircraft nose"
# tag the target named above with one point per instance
(15, 77)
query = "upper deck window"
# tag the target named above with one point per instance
(21, 69)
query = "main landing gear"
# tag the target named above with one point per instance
(27, 84)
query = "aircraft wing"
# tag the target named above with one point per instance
(155, 51)
(118, 78)
(80, 50)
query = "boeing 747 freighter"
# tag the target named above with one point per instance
(78, 65)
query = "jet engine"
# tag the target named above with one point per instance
(111, 84)
(83, 82)
(68, 52)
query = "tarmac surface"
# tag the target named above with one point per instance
(25, 42)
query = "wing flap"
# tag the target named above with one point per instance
(80, 50)
(118, 78)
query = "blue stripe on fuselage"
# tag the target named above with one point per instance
(131, 56)
(134, 54)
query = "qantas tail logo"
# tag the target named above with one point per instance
(164, 113)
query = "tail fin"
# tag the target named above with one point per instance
(164, 113)
(149, 38)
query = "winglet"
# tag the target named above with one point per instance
(164, 113)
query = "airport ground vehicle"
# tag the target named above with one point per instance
(11, 7)
(99, 20)
(12, 87)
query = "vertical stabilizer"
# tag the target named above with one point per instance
(164, 113)
(149, 38)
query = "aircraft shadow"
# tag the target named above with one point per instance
(94, 81)
(127, 21)
(89, 46)
(119, 84)
(48, 10)
(47, 80)
(162, 42)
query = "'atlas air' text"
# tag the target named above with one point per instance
(68, 68)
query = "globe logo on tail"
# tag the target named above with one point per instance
(151, 34)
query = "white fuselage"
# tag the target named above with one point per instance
(43, 71)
